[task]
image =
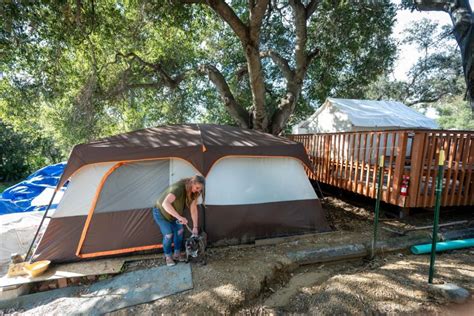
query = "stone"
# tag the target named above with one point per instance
(62, 283)
(43, 287)
(452, 292)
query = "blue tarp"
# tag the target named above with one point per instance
(18, 198)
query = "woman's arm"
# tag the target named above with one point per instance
(170, 198)
(194, 216)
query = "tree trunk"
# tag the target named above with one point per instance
(463, 22)
(257, 86)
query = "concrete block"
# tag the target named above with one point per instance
(10, 292)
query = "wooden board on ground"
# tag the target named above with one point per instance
(77, 269)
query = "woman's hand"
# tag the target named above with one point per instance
(195, 231)
(183, 220)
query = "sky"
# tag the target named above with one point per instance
(408, 54)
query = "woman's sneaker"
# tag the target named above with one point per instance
(180, 257)
(169, 261)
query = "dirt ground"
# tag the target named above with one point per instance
(256, 280)
(262, 280)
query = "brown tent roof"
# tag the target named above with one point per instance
(200, 144)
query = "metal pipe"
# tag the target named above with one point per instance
(377, 206)
(439, 189)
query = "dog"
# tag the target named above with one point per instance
(196, 248)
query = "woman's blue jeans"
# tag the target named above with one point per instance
(171, 231)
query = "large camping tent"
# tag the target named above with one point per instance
(256, 187)
(346, 115)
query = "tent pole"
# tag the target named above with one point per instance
(319, 188)
(41, 224)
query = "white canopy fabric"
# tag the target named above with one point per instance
(344, 115)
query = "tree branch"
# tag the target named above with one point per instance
(311, 7)
(234, 108)
(299, 12)
(281, 62)
(294, 86)
(241, 72)
(228, 15)
(169, 81)
(426, 100)
(257, 12)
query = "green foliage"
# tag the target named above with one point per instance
(12, 154)
(435, 80)
(435, 77)
(20, 155)
(352, 53)
(456, 114)
(5, 185)
(73, 71)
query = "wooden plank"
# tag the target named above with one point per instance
(374, 173)
(327, 157)
(318, 157)
(370, 147)
(356, 171)
(336, 159)
(346, 159)
(416, 163)
(385, 193)
(399, 167)
(77, 269)
(321, 155)
(457, 165)
(424, 170)
(321, 158)
(331, 160)
(390, 166)
(430, 178)
(343, 155)
(464, 169)
(360, 183)
(469, 186)
(313, 157)
(352, 141)
(448, 167)
(341, 161)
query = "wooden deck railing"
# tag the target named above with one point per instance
(348, 160)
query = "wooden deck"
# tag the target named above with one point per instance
(348, 160)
